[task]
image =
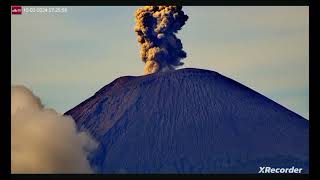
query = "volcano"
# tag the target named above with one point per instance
(190, 121)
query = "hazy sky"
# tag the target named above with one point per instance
(66, 58)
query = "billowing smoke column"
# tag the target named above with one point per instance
(156, 26)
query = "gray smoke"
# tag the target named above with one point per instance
(43, 140)
(156, 27)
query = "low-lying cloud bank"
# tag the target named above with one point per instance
(43, 140)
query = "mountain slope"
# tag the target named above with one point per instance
(190, 121)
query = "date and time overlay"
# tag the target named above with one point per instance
(19, 10)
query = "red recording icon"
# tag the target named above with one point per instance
(16, 9)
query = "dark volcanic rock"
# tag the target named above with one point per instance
(190, 121)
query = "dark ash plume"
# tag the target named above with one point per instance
(156, 26)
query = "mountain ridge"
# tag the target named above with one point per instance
(189, 106)
(124, 79)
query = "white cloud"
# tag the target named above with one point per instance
(44, 141)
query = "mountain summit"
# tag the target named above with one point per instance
(190, 121)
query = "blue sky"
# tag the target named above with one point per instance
(66, 58)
